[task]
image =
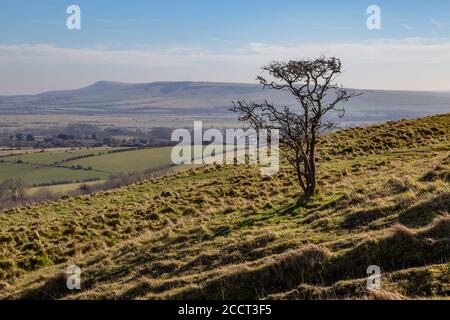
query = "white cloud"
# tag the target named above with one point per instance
(439, 24)
(414, 63)
(408, 27)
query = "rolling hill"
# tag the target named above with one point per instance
(225, 232)
(202, 97)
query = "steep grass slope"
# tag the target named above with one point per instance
(223, 232)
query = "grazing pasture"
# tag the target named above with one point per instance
(129, 161)
(73, 166)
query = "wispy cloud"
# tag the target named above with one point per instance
(220, 40)
(439, 24)
(388, 64)
(126, 21)
(408, 27)
(408, 49)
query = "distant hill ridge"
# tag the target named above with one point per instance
(106, 97)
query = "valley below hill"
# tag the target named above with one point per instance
(178, 104)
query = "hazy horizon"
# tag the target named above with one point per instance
(208, 82)
(220, 42)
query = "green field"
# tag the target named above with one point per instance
(130, 161)
(55, 167)
(61, 188)
(51, 156)
(6, 152)
(52, 165)
(32, 174)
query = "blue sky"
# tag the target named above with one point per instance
(218, 41)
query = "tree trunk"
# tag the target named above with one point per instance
(311, 173)
(300, 175)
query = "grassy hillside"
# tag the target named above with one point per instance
(225, 232)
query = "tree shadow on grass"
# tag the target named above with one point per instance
(312, 205)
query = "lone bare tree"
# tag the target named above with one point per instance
(312, 83)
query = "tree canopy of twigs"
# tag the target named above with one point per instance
(313, 84)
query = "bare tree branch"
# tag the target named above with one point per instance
(313, 84)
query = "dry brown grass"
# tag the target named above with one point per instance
(226, 232)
